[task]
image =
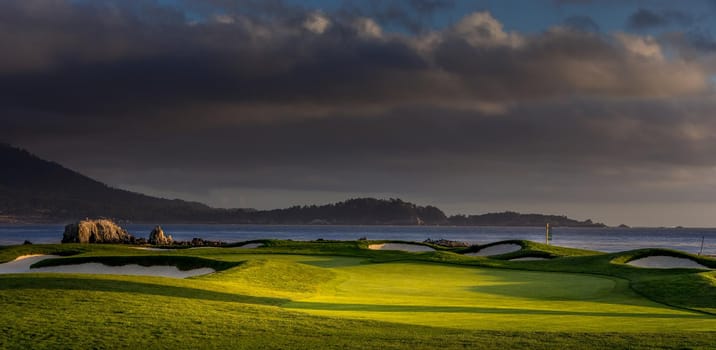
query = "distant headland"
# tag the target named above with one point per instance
(34, 190)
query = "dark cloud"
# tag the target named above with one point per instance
(646, 19)
(266, 96)
(414, 150)
(697, 40)
(107, 60)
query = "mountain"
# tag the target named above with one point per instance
(36, 190)
(33, 190)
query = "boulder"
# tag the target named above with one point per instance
(157, 237)
(95, 231)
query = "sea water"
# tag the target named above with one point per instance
(602, 239)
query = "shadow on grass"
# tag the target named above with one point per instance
(334, 261)
(474, 309)
(183, 263)
(537, 285)
(133, 287)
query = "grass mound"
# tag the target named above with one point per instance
(695, 291)
(626, 257)
(10, 253)
(265, 276)
(530, 249)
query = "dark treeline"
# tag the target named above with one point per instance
(371, 211)
(34, 190)
(510, 218)
(359, 211)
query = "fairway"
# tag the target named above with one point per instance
(272, 296)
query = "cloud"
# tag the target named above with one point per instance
(117, 62)
(647, 19)
(642, 46)
(367, 28)
(481, 29)
(627, 151)
(266, 96)
(317, 22)
(225, 19)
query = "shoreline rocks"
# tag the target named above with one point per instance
(96, 231)
(106, 231)
(157, 237)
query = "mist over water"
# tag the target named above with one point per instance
(602, 239)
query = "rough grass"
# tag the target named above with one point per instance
(693, 291)
(316, 295)
(77, 318)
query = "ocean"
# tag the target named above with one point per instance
(601, 239)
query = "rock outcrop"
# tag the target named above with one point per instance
(157, 237)
(96, 231)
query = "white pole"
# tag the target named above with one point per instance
(547, 234)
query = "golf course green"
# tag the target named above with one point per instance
(313, 295)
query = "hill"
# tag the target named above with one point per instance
(34, 190)
(357, 211)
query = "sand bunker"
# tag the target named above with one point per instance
(497, 249)
(401, 246)
(251, 245)
(132, 269)
(22, 265)
(528, 258)
(666, 262)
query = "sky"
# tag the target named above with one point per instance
(590, 109)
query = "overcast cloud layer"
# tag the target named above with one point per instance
(266, 104)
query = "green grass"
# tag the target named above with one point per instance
(449, 296)
(314, 295)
